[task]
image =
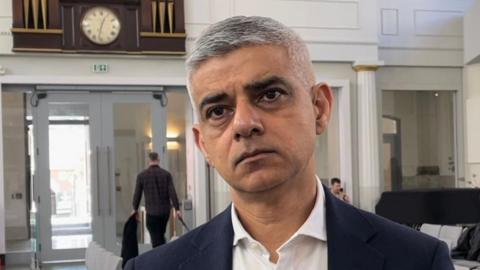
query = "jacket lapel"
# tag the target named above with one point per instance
(213, 244)
(348, 234)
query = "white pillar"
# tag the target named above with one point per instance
(2, 192)
(368, 136)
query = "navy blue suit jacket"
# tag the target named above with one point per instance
(356, 240)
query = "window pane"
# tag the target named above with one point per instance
(69, 152)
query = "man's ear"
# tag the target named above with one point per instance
(200, 143)
(322, 99)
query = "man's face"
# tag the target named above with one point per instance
(336, 187)
(257, 119)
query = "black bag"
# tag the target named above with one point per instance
(474, 252)
(463, 243)
(129, 241)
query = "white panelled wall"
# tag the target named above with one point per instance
(472, 38)
(5, 25)
(472, 95)
(339, 33)
(2, 190)
(422, 32)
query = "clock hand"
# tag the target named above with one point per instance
(101, 26)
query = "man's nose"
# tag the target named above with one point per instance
(246, 121)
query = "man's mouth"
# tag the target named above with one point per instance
(246, 156)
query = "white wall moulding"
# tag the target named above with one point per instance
(5, 35)
(430, 33)
(472, 80)
(389, 18)
(142, 70)
(471, 36)
(331, 1)
(438, 23)
(472, 108)
(305, 14)
(335, 30)
(338, 52)
(6, 8)
(419, 78)
(434, 57)
(198, 11)
(2, 181)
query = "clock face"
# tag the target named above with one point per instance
(100, 25)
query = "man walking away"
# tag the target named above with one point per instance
(160, 196)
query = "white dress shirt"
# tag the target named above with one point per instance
(306, 249)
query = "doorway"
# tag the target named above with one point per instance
(392, 153)
(422, 154)
(89, 146)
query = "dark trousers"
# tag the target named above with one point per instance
(157, 225)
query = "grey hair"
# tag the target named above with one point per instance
(238, 32)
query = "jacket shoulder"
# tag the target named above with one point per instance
(397, 242)
(397, 233)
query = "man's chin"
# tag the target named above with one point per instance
(258, 184)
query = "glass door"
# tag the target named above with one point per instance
(133, 124)
(67, 140)
(90, 148)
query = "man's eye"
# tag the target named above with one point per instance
(216, 112)
(271, 95)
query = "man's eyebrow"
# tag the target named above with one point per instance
(265, 82)
(212, 99)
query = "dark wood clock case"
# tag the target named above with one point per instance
(148, 26)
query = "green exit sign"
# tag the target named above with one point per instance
(100, 68)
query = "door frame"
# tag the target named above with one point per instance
(159, 143)
(395, 140)
(41, 188)
(102, 148)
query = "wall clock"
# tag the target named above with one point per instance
(101, 25)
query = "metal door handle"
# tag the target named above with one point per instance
(98, 179)
(109, 182)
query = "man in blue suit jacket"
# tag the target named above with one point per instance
(259, 111)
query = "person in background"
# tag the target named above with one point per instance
(160, 196)
(337, 190)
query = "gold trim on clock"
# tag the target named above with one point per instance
(26, 10)
(37, 50)
(161, 11)
(164, 35)
(37, 31)
(164, 52)
(154, 16)
(35, 4)
(170, 17)
(44, 14)
(99, 52)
